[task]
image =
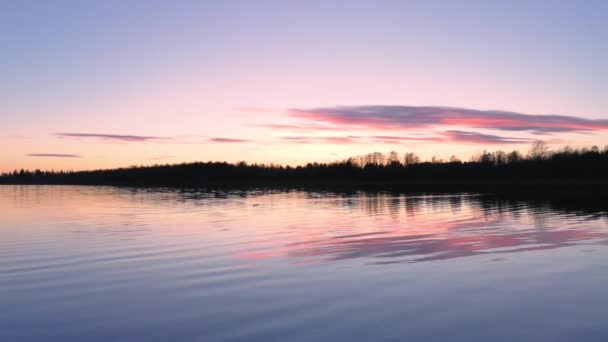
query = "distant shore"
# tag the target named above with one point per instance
(565, 172)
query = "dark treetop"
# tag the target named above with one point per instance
(575, 169)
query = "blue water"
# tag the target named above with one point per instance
(110, 264)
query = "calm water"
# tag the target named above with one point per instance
(108, 264)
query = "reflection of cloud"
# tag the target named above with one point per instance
(111, 137)
(437, 228)
(407, 117)
(54, 155)
(426, 248)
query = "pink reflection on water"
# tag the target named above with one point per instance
(295, 227)
(396, 229)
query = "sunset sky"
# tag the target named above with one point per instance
(101, 84)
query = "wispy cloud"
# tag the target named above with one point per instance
(228, 140)
(479, 138)
(147, 138)
(298, 127)
(321, 140)
(53, 155)
(255, 109)
(447, 136)
(390, 139)
(112, 137)
(162, 157)
(407, 117)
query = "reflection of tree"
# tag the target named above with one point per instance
(411, 206)
(537, 215)
(394, 206)
(373, 205)
(455, 203)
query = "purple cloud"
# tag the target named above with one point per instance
(389, 139)
(53, 155)
(299, 127)
(113, 137)
(407, 117)
(321, 140)
(447, 136)
(228, 140)
(479, 138)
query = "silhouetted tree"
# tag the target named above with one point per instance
(538, 151)
(454, 159)
(539, 165)
(410, 158)
(393, 158)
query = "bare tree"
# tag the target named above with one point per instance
(436, 160)
(500, 158)
(454, 159)
(410, 158)
(487, 157)
(378, 158)
(514, 157)
(538, 151)
(393, 158)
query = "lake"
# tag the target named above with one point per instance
(117, 264)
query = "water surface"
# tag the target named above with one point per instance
(111, 264)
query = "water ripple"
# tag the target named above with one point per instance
(103, 263)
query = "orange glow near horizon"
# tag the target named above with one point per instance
(268, 147)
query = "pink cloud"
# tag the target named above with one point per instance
(447, 136)
(54, 155)
(112, 137)
(388, 139)
(321, 140)
(408, 117)
(479, 138)
(299, 127)
(255, 109)
(228, 140)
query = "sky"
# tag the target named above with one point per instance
(102, 84)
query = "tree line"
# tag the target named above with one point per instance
(539, 164)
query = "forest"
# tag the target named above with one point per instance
(540, 166)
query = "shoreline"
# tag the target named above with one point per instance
(547, 186)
